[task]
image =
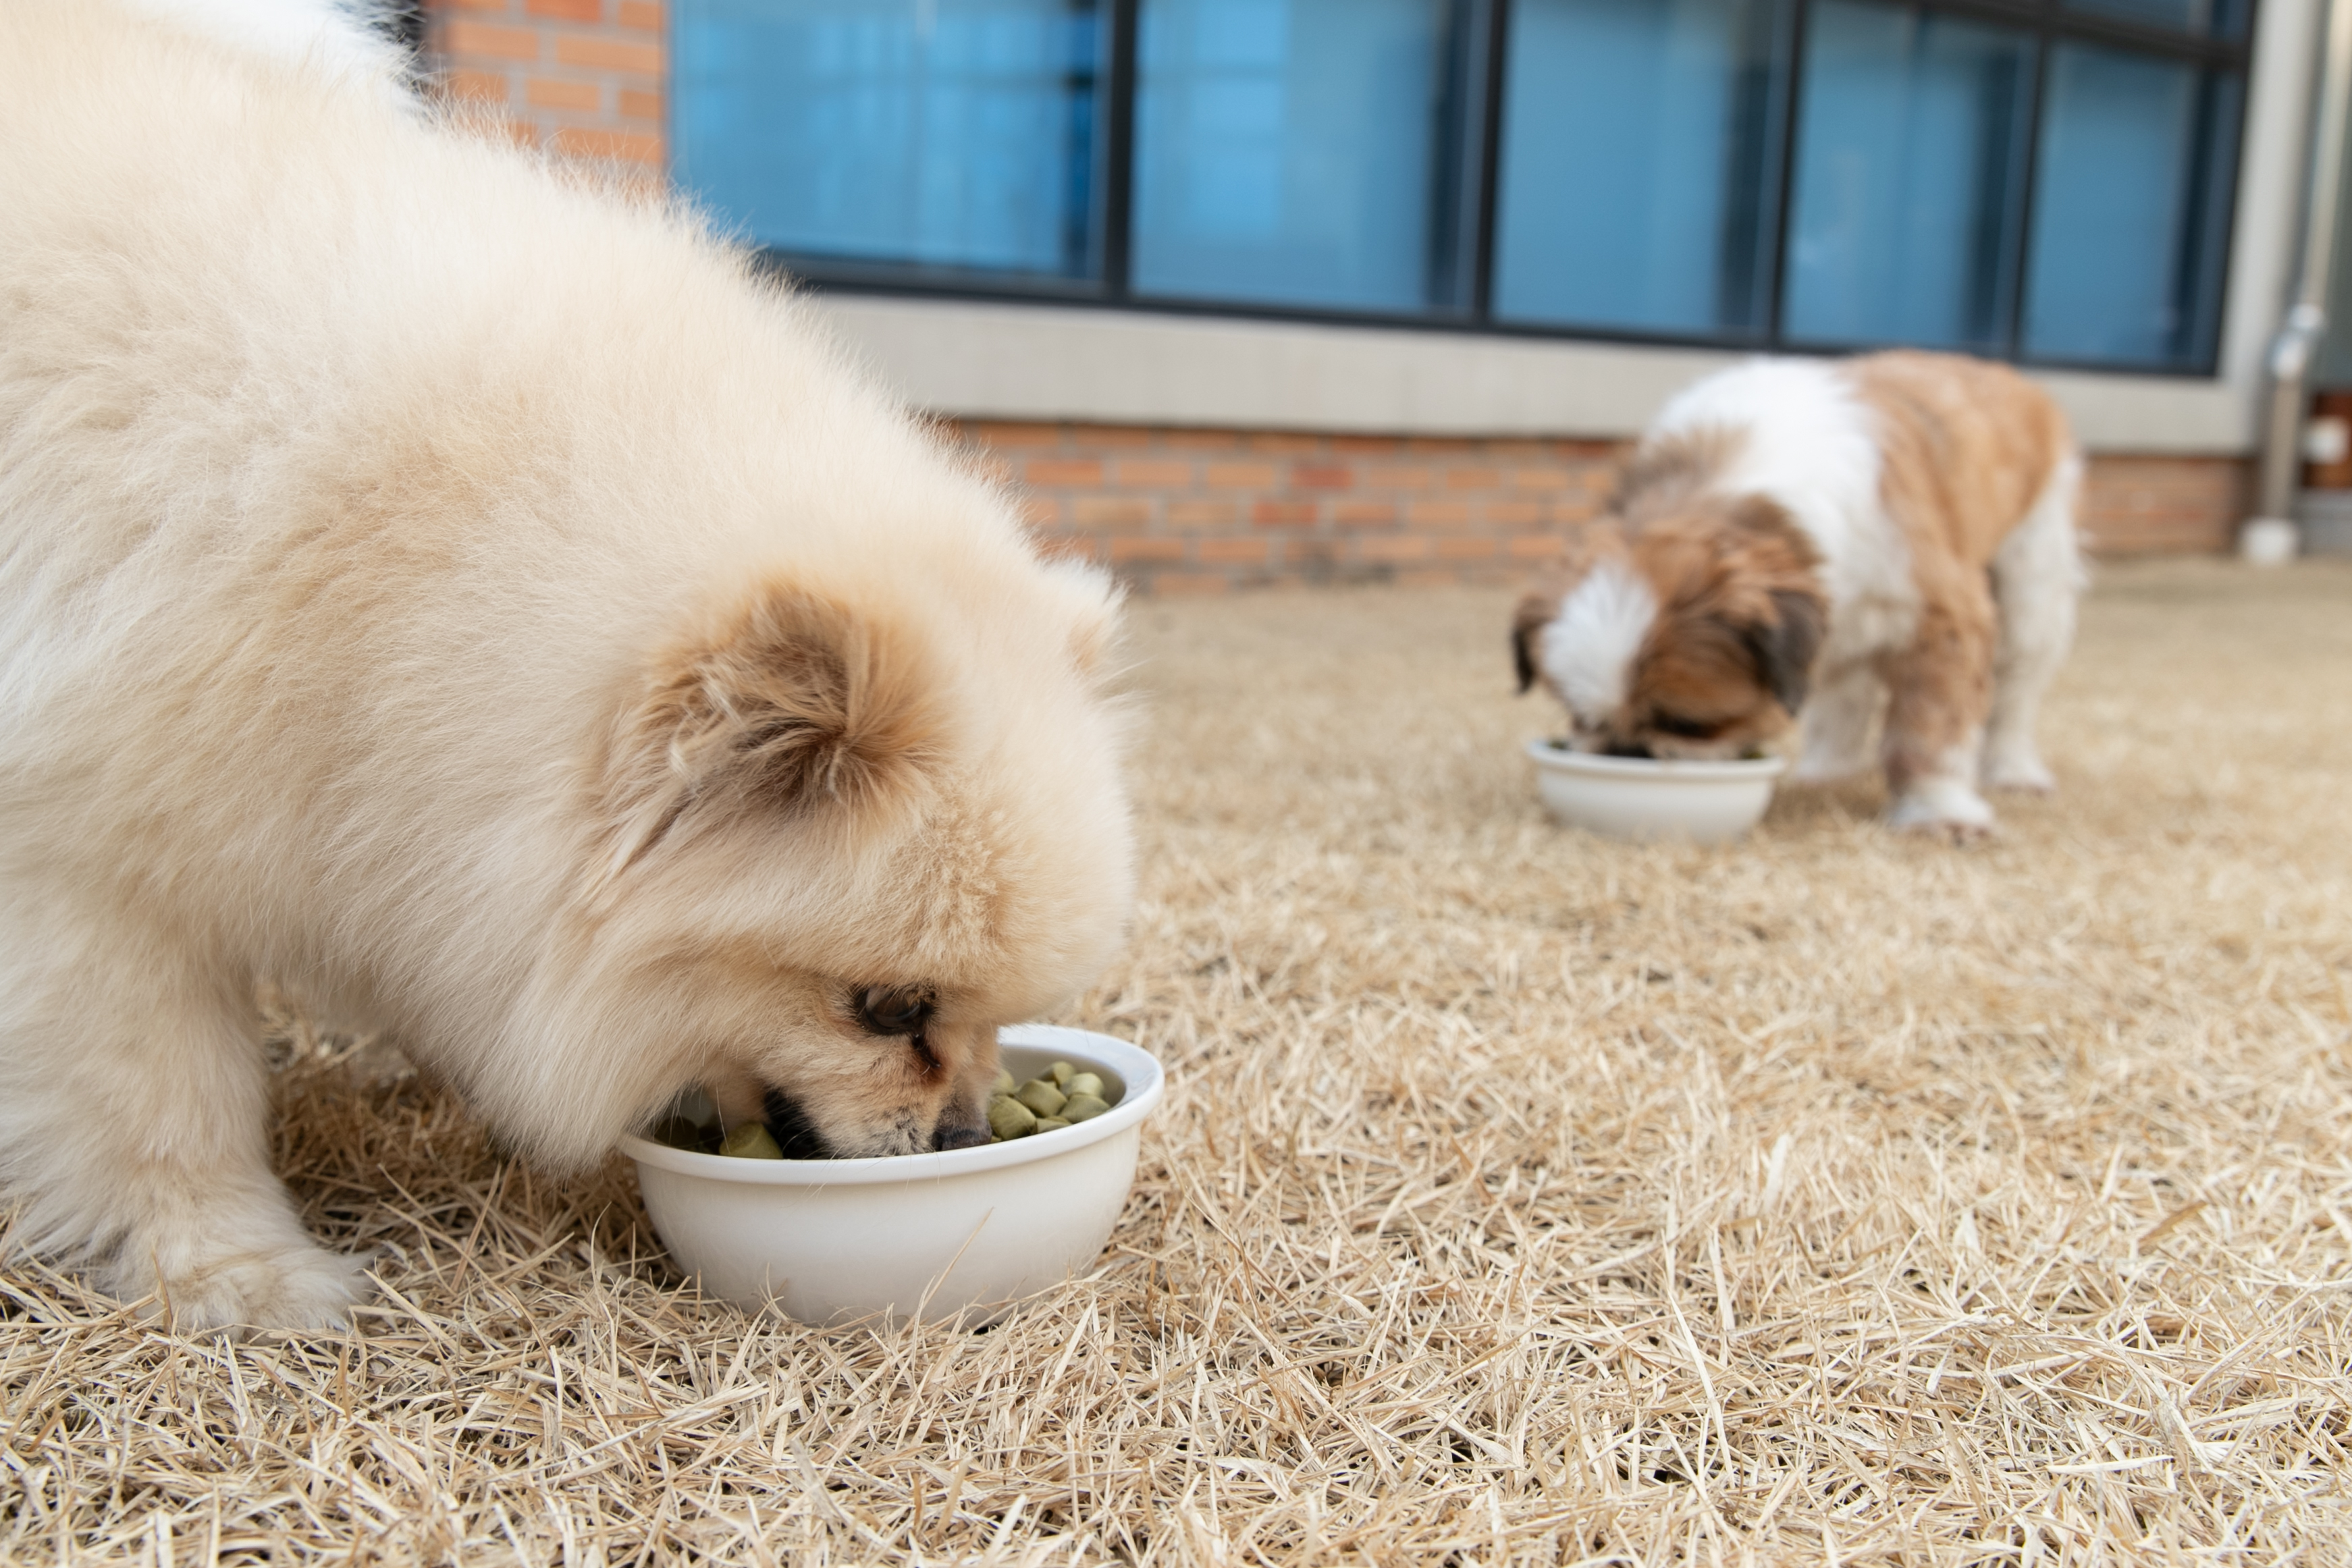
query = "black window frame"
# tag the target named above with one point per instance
(1479, 31)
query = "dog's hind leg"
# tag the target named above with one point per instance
(134, 1131)
(2036, 578)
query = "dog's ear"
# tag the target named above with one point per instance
(1535, 613)
(1771, 548)
(1783, 647)
(791, 700)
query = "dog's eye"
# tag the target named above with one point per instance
(1688, 729)
(881, 1011)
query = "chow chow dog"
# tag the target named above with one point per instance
(487, 610)
(1893, 535)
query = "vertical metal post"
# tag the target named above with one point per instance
(2306, 316)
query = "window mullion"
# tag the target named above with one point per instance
(1118, 150)
(1784, 164)
(1489, 168)
(2021, 252)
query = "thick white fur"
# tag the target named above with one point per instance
(353, 473)
(1811, 444)
(2036, 578)
(1588, 647)
(328, 36)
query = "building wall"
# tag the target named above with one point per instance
(584, 79)
(1187, 501)
(1190, 510)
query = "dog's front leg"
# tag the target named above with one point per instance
(134, 1133)
(1939, 688)
(1836, 724)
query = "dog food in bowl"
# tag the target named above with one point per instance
(911, 1235)
(1061, 1096)
(1643, 797)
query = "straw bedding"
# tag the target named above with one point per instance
(1520, 1197)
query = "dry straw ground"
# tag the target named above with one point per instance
(1521, 1198)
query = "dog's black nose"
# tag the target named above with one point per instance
(954, 1134)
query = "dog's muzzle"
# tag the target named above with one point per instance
(952, 1133)
(797, 1136)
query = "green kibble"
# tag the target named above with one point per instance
(1041, 1097)
(1084, 1107)
(1009, 1118)
(749, 1140)
(1060, 1096)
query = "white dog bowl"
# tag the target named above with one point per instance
(1636, 798)
(911, 1235)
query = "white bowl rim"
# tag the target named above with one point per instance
(1547, 754)
(1145, 1085)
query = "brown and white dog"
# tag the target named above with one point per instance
(486, 609)
(1883, 538)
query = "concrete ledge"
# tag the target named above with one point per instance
(1013, 361)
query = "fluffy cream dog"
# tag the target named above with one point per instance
(481, 607)
(1892, 535)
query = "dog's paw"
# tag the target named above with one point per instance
(304, 1289)
(1944, 809)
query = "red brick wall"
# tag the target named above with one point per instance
(584, 78)
(1202, 510)
(1192, 510)
(2156, 505)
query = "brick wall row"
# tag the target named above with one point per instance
(584, 79)
(2157, 506)
(1204, 510)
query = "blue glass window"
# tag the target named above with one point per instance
(2130, 209)
(2041, 180)
(1285, 149)
(1635, 160)
(955, 133)
(1909, 168)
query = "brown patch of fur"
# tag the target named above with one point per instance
(789, 698)
(1741, 608)
(1966, 447)
(1740, 615)
(1670, 471)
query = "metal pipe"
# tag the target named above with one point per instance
(2305, 323)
